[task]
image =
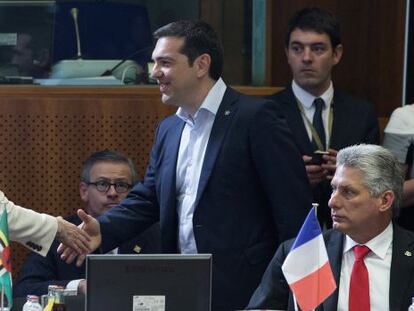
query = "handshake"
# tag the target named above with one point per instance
(78, 241)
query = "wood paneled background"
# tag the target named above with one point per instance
(47, 132)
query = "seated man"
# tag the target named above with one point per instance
(367, 188)
(106, 178)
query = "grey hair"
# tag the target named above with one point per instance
(380, 169)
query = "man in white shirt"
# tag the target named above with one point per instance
(321, 117)
(106, 178)
(399, 139)
(224, 175)
(367, 189)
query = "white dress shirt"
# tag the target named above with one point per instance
(378, 263)
(306, 100)
(399, 134)
(190, 160)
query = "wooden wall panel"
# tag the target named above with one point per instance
(46, 133)
(232, 21)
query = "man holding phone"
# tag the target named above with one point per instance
(322, 119)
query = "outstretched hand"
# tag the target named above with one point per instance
(91, 228)
(72, 236)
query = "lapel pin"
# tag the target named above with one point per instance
(227, 112)
(137, 249)
(408, 253)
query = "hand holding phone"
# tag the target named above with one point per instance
(317, 157)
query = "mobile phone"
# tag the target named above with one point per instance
(317, 157)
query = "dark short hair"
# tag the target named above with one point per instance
(317, 20)
(199, 38)
(106, 156)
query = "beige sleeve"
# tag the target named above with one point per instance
(33, 230)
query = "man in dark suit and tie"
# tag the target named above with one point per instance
(224, 175)
(319, 116)
(367, 189)
(106, 178)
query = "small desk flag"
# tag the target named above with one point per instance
(306, 267)
(5, 260)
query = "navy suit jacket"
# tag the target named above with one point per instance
(274, 293)
(252, 194)
(354, 122)
(38, 272)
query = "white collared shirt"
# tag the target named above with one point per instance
(190, 160)
(378, 263)
(306, 99)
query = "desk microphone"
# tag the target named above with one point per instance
(74, 13)
(110, 71)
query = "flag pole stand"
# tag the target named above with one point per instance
(295, 303)
(2, 297)
(315, 206)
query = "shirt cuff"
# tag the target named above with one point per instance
(74, 285)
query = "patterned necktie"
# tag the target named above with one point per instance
(317, 123)
(359, 284)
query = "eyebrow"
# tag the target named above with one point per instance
(311, 43)
(163, 58)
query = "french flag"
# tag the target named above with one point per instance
(306, 267)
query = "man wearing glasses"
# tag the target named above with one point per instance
(106, 178)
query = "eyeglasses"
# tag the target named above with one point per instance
(103, 186)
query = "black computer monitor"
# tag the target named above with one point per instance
(26, 38)
(181, 282)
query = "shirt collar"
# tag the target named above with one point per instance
(379, 245)
(306, 98)
(211, 102)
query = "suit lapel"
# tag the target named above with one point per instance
(172, 143)
(402, 269)
(295, 121)
(334, 247)
(339, 125)
(167, 187)
(222, 120)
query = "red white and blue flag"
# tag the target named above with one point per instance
(306, 267)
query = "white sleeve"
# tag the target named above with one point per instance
(33, 230)
(399, 132)
(398, 144)
(74, 284)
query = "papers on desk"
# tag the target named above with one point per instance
(109, 80)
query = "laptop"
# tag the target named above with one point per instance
(161, 282)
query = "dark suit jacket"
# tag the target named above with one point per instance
(354, 122)
(38, 272)
(274, 293)
(252, 194)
